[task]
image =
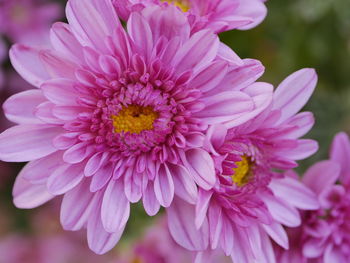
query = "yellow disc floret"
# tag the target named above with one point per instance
(134, 119)
(184, 5)
(242, 171)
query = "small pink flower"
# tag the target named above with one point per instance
(121, 116)
(218, 15)
(325, 233)
(27, 21)
(252, 199)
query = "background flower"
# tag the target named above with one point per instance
(324, 234)
(219, 16)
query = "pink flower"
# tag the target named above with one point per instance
(157, 246)
(3, 51)
(218, 15)
(27, 21)
(325, 233)
(252, 199)
(120, 117)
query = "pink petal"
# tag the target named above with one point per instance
(27, 63)
(185, 187)
(304, 149)
(254, 9)
(340, 153)
(101, 177)
(277, 233)
(295, 193)
(37, 171)
(281, 211)
(76, 207)
(115, 207)
(227, 237)
(322, 175)
(303, 123)
(56, 65)
(261, 94)
(164, 186)
(149, 200)
(63, 40)
(77, 153)
(94, 163)
(27, 195)
(197, 52)
(208, 78)
(26, 142)
(293, 93)
(65, 178)
(224, 107)
(182, 227)
(133, 191)
(99, 240)
(140, 32)
(171, 18)
(202, 206)
(240, 77)
(60, 91)
(215, 219)
(90, 26)
(20, 107)
(201, 167)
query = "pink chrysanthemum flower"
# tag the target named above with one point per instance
(325, 234)
(27, 21)
(218, 15)
(252, 198)
(121, 116)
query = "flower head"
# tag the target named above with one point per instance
(27, 21)
(121, 116)
(255, 193)
(218, 15)
(324, 235)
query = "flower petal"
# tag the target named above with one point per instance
(99, 240)
(322, 175)
(26, 142)
(295, 193)
(76, 207)
(65, 178)
(20, 107)
(115, 207)
(27, 63)
(201, 167)
(182, 227)
(293, 93)
(164, 186)
(27, 195)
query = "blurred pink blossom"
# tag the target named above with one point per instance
(27, 21)
(218, 15)
(324, 236)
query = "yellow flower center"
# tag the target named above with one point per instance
(184, 5)
(242, 172)
(134, 119)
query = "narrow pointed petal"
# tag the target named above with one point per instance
(293, 93)
(115, 207)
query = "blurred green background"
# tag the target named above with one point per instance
(295, 34)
